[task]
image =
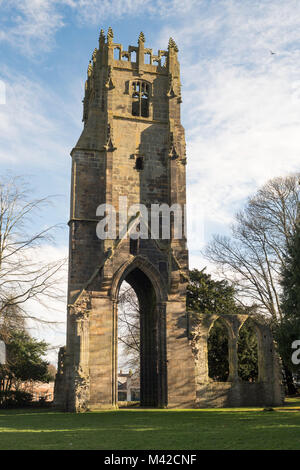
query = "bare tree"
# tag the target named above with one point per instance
(253, 258)
(22, 275)
(129, 327)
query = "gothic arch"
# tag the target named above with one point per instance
(151, 293)
(218, 360)
(149, 270)
(226, 322)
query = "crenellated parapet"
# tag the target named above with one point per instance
(139, 59)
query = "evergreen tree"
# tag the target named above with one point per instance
(217, 349)
(288, 329)
(247, 353)
(25, 361)
(290, 298)
(206, 295)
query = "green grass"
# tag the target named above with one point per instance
(245, 428)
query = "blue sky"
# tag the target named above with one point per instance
(241, 104)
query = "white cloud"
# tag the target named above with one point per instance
(241, 105)
(29, 24)
(48, 309)
(96, 11)
(2, 92)
(35, 123)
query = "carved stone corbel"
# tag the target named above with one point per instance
(173, 154)
(109, 145)
(171, 93)
(109, 83)
(81, 307)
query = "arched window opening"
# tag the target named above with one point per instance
(144, 105)
(140, 99)
(147, 58)
(217, 349)
(117, 53)
(133, 56)
(125, 57)
(128, 345)
(248, 353)
(163, 61)
(141, 352)
(135, 104)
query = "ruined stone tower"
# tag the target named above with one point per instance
(133, 146)
(130, 157)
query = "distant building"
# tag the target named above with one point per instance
(128, 386)
(2, 352)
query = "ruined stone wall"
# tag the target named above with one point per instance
(266, 391)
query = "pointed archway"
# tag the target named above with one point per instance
(149, 288)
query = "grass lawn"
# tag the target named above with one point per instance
(245, 428)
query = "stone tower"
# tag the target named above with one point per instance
(132, 149)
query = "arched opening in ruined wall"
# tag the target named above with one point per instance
(217, 352)
(247, 352)
(140, 319)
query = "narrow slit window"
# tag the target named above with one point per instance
(139, 163)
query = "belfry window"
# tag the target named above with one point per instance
(140, 99)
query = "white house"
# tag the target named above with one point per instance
(2, 352)
(128, 386)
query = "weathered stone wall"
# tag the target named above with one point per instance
(60, 382)
(266, 391)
